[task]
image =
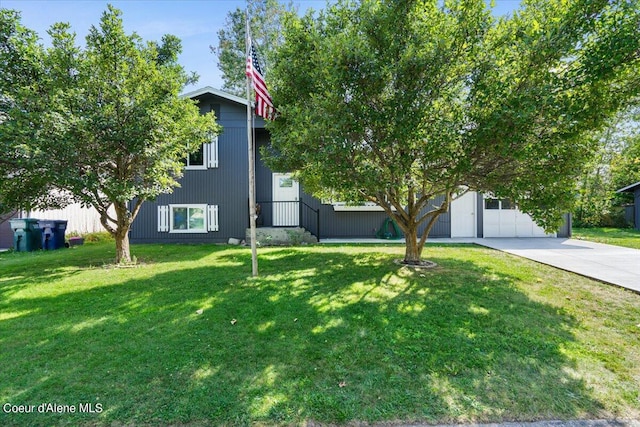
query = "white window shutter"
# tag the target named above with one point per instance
(212, 218)
(163, 218)
(212, 153)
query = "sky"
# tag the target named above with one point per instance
(195, 22)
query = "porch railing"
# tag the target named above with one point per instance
(288, 214)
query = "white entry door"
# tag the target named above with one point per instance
(286, 193)
(463, 216)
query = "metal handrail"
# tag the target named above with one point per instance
(316, 211)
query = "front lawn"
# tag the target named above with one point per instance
(327, 334)
(627, 237)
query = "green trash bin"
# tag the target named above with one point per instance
(27, 236)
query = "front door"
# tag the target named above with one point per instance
(463, 216)
(286, 193)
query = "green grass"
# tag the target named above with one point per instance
(329, 334)
(627, 237)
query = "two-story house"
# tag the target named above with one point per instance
(212, 203)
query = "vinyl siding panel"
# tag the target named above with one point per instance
(565, 228)
(636, 198)
(480, 215)
(364, 224)
(358, 224)
(225, 186)
(79, 219)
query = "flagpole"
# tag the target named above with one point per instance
(252, 167)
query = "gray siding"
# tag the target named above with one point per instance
(480, 215)
(341, 224)
(225, 186)
(636, 201)
(565, 228)
(332, 224)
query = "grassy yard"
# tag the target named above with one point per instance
(328, 334)
(613, 236)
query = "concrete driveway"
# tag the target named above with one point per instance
(612, 264)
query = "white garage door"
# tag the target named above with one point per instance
(501, 218)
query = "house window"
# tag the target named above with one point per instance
(286, 182)
(188, 219)
(495, 204)
(195, 160)
(205, 158)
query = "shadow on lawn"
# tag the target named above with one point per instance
(326, 336)
(22, 269)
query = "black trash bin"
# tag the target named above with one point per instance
(53, 233)
(27, 236)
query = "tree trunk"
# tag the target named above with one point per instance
(123, 252)
(411, 219)
(119, 226)
(413, 249)
(121, 233)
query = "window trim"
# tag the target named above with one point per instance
(203, 166)
(501, 202)
(203, 230)
(364, 206)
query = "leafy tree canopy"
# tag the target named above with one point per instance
(615, 164)
(265, 23)
(104, 123)
(625, 167)
(398, 101)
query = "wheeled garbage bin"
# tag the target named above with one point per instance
(52, 233)
(27, 236)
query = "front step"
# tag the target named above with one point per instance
(281, 236)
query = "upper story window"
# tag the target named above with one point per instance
(196, 160)
(206, 157)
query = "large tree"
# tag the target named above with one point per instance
(265, 24)
(22, 186)
(614, 165)
(625, 166)
(104, 123)
(399, 101)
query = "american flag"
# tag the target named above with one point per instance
(264, 104)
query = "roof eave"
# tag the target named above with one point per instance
(217, 92)
(629, 188)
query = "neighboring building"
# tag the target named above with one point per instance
(211, 204)
(6, 234)
(635, 189)
(80, 219)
